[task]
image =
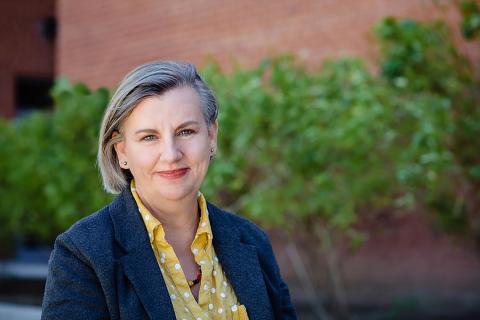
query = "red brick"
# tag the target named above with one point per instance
(102, 40)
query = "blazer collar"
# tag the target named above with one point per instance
(239, 261)
(241, 264)
(139, 262)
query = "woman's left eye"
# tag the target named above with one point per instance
(185, 132)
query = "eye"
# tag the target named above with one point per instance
(185, 132)
(150, 137)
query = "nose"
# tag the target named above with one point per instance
(170, 152)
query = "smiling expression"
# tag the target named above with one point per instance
(166, 143)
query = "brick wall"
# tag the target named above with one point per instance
(405, 259)
(24, 49)
(100, 41)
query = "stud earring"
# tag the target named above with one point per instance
(124, 163)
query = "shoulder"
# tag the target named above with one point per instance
(89, 236)
(247, 231)
(92, 227)
(79, 270)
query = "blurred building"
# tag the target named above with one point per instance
(99, 41)
(27, 42)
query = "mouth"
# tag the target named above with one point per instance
(173, 174)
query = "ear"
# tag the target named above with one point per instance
(212, 133)
(120, 150)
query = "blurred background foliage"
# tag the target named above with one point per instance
(303, 147)
(317, 149)
(49, 178)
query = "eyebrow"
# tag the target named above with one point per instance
(185, 124)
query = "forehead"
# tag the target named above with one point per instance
(171, 108)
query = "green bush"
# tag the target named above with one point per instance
(297, 146)
(49, 176)
(419, 59)
(471, 19)
(294, 144)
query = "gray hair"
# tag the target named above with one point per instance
(150, 79)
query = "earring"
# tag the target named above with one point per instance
(124, 163)
(211, 150)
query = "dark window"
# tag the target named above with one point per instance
(32, 94)
(49, 28)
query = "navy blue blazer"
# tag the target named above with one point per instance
(104, 267)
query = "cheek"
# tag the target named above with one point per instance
(141, 158)
(199, 154)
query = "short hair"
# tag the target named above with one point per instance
(150, 79)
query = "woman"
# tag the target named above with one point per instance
(159, 250)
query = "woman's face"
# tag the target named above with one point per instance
(166, 144)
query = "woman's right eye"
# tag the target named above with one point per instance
(148, 138)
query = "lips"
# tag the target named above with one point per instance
(173, 174)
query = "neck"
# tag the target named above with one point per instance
(179, 218)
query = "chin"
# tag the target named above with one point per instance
(174, 193)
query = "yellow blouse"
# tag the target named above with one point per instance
(216, 298)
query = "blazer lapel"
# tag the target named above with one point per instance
(241, 265)
(143, 272)
(139, 262)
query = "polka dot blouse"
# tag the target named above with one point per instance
(216, 298)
